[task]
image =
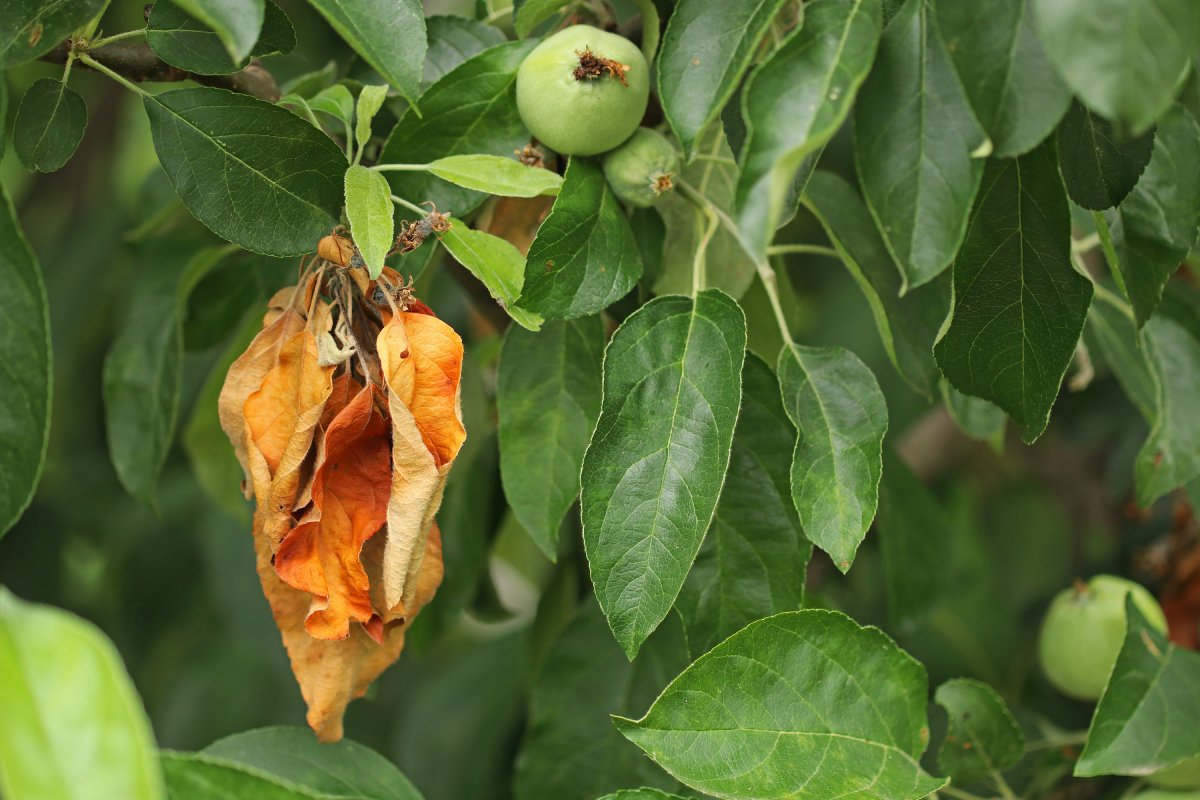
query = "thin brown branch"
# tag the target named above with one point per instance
(137, 62)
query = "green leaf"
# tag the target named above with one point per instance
(252, 172)
(1017, 96)
(974, 416)
(388, 34)
(706, 50)
(914, 133)
(336, 769)
(1019, 306)
(1171, 455)
(752, 562)
(73, 723)
(237, 23)
(3, 115)
(185, 42)
(472, 109)
(1125, 61)
(795, 101)
(29, 28)
(983, 738)
(452, 40)
(584, 257)
(640, 794)
(654, 468)
(27, 358)
(370, 100)
(528, 14)
(834, 401)
(498, 265)
(49, 125)
(1155, 227)
(143, 371)
(1146, 719)
(337, 102)
(369, 209)
(548, 399)
(907, 326)
(499, 175)
(196, 776)
(1112, 330)
(915, 533)
(802, 704)
(570, 750)
(1099, 167)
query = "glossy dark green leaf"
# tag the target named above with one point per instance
(29, 28)
(388, 34)
(1004, 68)
(570, 750)
(914, 132)
(331, 769)
(528, 14)
(1112, 330)
(1125, 61)
(452, 40)
(802, 704)
(471, 109)
(236, 22)
(49, 125)
(1099, 167)
(584, 257)
(1171, 455)
(143, 371)
(253, 172)
(73, 723)
(706, 50)
(1154, 228)
(654, 468)
(1019, 306)
(498, 264)
(752, 562)
(185, 42)
(981, 420)
(1146, 719)
(796, 100)
(369, 210)
(548, 399)
(983, 738)
(196, 776)
(834, 401)
(906, 325)
(27, 357)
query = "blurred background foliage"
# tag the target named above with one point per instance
(174, 585)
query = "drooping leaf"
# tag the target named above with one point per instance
(1125, 61)
(27, 357)
(253, 172)
(548, 399)
(49, 125)
(196, 776)
(498, 264)
(981, 420)
(452, 40)
(802, 704)
(654, 468)
(1019, 306)
(295, 755)
(752, 562)
(1114, 331)
(914, 133)
(1155, 227)
(185, 42)
(836, 405)
(706, 50)
(370, 100)
(1171, 455)
(32, 27)
(796, 100)
(237, 23)
(471, 109)
(369, 209)
(1005, 70)
(983, 738)
(584, 257)
(496, 175)
(906, 325)
(528, 14)
(73, 723)
(1145, 721)
(388, 34)
(1099, 167)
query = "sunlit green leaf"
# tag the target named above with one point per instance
(497, 264)
(496, 175)
(369, 209)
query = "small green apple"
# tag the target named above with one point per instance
(642, 169)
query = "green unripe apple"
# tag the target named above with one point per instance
(1184, 775)
(1084, 629)
(642, 169)
(583, 91)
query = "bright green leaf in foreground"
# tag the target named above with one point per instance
(497, 264)
(496, 175)
(369, 209)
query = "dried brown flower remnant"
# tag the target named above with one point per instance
(593, 66)
(413, 234)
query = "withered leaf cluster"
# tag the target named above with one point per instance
(344, 413)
